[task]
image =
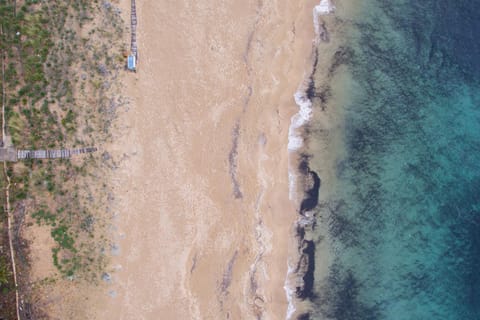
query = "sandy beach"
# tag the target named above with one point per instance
(202, 216)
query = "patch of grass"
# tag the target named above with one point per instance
(44, 216)
(61, 235)
(66, 257)
(68, 121)
(5, 273)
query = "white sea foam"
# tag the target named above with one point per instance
(325, 7)
(290, 292)
(292, 183)
(295, 140)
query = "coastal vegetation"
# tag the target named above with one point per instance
(60, 64)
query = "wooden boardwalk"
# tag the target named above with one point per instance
(52, 154)
(133, 21)
(11, 154)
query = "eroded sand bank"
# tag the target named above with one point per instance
(203, 217)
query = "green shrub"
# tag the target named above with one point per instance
(4, 271)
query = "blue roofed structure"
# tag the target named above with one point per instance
(132, 62)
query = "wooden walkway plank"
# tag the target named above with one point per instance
(133, 22)
(52, 154)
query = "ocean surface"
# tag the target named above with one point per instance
(402, 216)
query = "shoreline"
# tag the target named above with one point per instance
(304, 183)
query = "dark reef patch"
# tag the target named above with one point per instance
(311, 82)
(341, 298)
(323, 33)
(342, 56)
(311, 89)
(310, 201)
(340, 225)
(306, 266)
(304, 316)
(303, 165)
(311, 185)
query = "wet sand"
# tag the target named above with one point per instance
(203, 218)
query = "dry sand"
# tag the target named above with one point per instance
(203, 220)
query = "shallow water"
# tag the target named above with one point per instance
(403, 217)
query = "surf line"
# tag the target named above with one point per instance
(295, 144)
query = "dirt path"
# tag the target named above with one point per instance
(7, 190)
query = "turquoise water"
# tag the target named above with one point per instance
(404, 216)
